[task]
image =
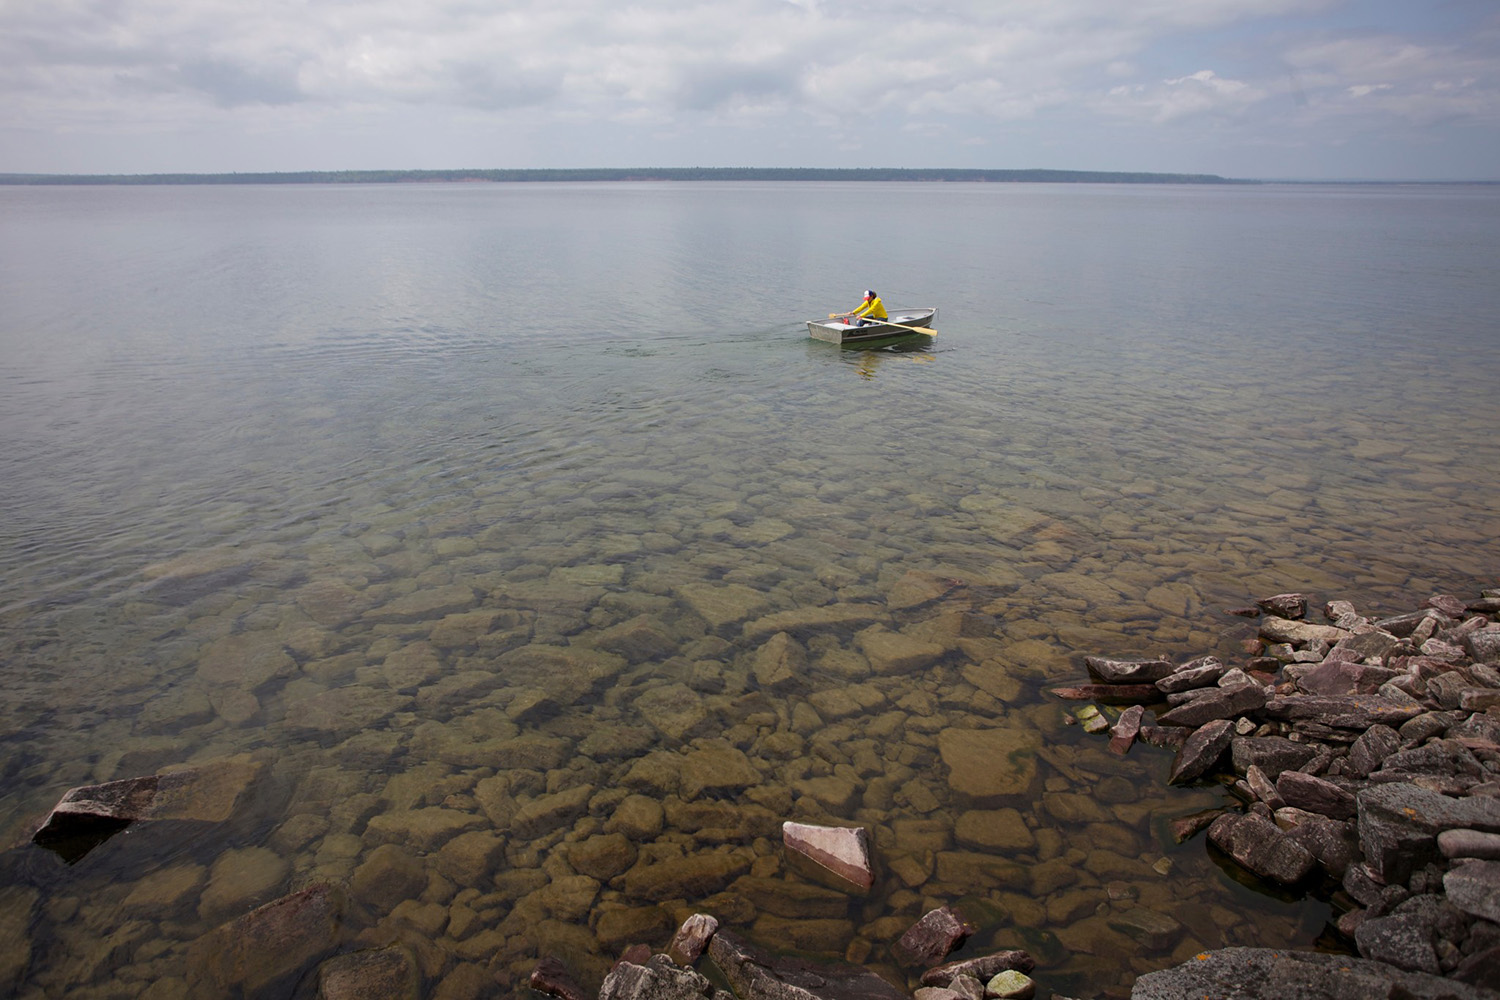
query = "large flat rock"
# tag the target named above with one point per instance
(205, 793)
(826, 616)
(281, 939)
(990, 763)
(755, 975)
(1264, 974)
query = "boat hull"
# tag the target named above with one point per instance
(838, 332)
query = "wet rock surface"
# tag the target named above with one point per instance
(1263, 973)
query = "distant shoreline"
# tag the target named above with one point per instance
(629, 174)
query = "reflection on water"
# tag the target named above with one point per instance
(534, 624)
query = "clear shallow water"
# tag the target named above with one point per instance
(255, 425)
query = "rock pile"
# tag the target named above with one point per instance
(1366, 753)
(753, 973)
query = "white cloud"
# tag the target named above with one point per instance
(1203, 93)
(1389, 77)
(967, 70)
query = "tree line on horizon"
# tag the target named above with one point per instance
(633, 174)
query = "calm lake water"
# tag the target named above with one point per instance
(521, 546)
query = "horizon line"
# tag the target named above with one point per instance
(679, 174)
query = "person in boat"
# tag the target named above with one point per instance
(870, 309)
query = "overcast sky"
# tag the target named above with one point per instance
(1246, 88)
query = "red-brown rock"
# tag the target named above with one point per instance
(933, 937)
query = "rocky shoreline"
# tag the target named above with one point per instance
(1365, 754)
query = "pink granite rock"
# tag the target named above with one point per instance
(691, 938)
(837, 856)
(1124, 732)
(933, 937)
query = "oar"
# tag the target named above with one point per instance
(886, 322)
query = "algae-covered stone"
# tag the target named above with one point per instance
(630, 924)
(546, 813)
(990, 763)
(896, 653)
(17, 906)
(676, 710)
(967, 870)
(469, 857)
(386, 974)
(411, 666)
(692, 877)
(424, 829)
(388, 876)
(659, 773)
(241, 879)
(602, 856)
(329, 602)
(846, 700)
(246, 661)
(639, 640)
(1155, 930)
(994, 829)
(466, 628)
(1072, 807)
(161, 892)
(994, 679)
(918, 587)
(825, 616)
(722, 604)
(1010, 985)
(792, 899)
(716, 767)
(597, 575)
(637, 817)
(344, 710)
(424, 605)
(279, 939)
(566, 897)
(530, 751)
(780, 662)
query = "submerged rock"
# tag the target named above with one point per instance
(85, 816)
(386, 974)
(990, 763)
(837, 856)
(933, 937)
(551, 978)
(279, 939)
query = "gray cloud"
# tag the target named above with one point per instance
(229, 84)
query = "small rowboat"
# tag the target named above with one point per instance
(902, 323)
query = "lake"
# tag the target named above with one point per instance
(524, 564)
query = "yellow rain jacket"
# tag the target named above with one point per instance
(873, 309)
